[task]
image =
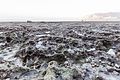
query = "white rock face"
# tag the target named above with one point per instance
(110, 16)
(111, 52)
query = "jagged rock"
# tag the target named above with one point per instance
(32, 42)
(99, 78)
(59, 40)
(51, 70)
(8, 39)
(74, 43)
(112, 52)
(76, 75)
(29, 74)
(59, 51)
(60, 58)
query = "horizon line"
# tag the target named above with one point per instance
(42, 21)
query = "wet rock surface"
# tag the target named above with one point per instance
(60, 51)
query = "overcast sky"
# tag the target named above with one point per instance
(50, 10)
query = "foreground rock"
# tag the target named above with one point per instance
(60, 51)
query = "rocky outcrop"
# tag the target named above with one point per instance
(60, 51)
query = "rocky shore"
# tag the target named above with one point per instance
(60, 51)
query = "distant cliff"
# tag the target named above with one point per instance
(111, 16)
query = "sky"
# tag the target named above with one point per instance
(54, 10)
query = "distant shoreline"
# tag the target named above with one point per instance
(53, 21)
